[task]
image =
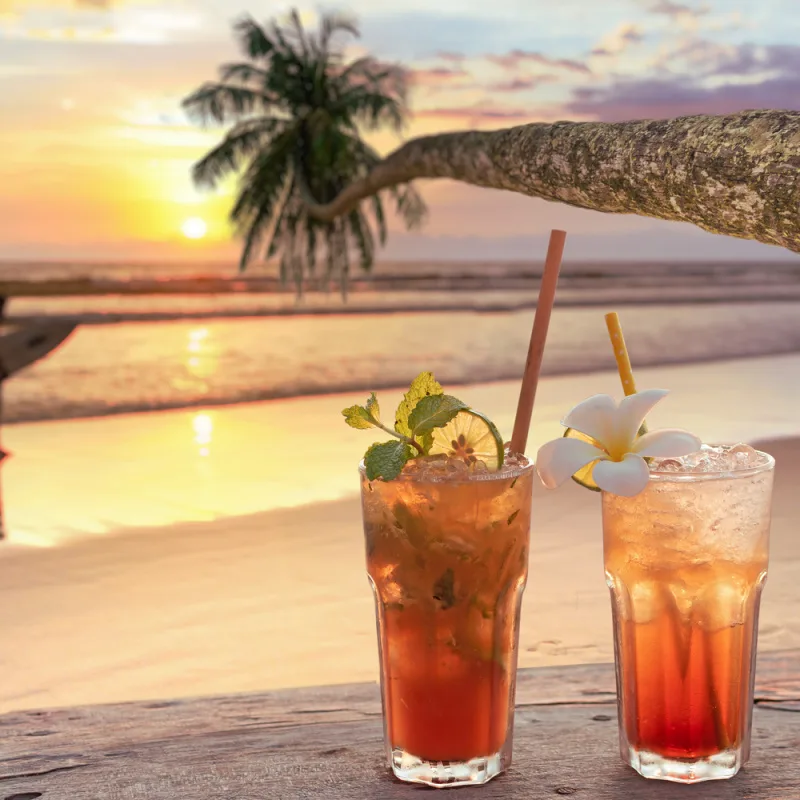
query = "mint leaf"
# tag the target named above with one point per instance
(358, 417)
(433, 412)
(386, 460)
(373, 409)
(423, 385)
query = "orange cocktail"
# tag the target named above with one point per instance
(447, 556)
(686, 560)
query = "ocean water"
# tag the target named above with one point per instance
(467, 322)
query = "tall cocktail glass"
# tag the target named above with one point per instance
(686, 561)
(447, 557)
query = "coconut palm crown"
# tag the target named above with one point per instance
(298, 109)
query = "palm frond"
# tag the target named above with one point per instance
(362, 235)
(311, 246)
(334, 23)
(370, 108)
(263, 182)
(220, 101)
(241, 142)
(246, 73)
(380, 218)
(410, 205)
(253, 39)
(299, 31)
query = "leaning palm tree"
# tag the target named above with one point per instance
(298, 110)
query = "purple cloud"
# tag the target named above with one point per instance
(659, 99)
(748, 59)
(476, 114)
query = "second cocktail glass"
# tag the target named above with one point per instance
(686, 560)
(447, 556)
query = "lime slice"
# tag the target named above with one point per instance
(584, 475)
(471, 437)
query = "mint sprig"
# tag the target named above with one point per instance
(423, 385)
(424, 407)
(386, 459)
(433, 412)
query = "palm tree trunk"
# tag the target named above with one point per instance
(737, 175)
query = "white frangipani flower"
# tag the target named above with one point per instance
(618, 454)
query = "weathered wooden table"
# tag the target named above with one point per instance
(327, 743)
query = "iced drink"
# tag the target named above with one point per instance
(447, 557)
(686, 560)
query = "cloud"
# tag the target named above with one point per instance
(13, 7)
(618, 42)
(703, 58)
(518, 58)
(436, 76)
(660, 99)
(675, 10)
(446, 55)
(476, 114)
(521, 84)
(749, 59)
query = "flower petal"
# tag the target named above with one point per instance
(632, 411)
(626, 478)
(558, 460)
(667, 443)
(595, 417)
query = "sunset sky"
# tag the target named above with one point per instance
(95, 151)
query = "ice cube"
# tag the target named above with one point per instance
(704, 464)
(683, 596)
(743, 456)
(722, 604)
(667, 465)
(479, 468)
(388, 586)
(646, 600)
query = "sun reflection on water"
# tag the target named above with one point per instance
(203, 429)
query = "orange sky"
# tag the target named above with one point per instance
(95, 152)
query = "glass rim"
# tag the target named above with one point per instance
(716, 475)
(476, 477)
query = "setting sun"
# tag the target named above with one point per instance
(194, 228)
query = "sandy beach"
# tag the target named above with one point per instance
(219, 550)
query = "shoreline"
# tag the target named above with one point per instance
(258, 397)
(105, 474)
(481, 300)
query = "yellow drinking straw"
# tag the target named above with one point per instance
(622, 357)
(620, 353)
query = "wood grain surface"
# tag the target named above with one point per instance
(327, 743)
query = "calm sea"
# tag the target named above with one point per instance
(467, 322)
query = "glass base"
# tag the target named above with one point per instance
(712, 768)
(446, 774)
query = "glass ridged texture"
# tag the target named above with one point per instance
(447, 557)
(686, 561)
